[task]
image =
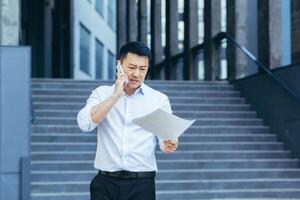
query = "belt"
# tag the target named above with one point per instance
(128, 175)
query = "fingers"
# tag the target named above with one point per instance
(170, 146)
(122, 79)
(170, 143)
(121, 82)
(121, 75)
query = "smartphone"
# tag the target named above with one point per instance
(120, 71)
(119, 68)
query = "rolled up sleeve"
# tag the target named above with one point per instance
(165, 104)
(84, 119)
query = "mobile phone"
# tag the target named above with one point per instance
(120, 71)
(119, 68)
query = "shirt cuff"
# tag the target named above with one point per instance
(93, 124)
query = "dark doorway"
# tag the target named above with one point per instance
(46, 27)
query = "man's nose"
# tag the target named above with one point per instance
(136, 72)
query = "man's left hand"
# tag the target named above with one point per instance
(168, 146)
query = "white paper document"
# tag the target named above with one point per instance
(164, 125)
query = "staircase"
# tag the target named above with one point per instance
(228, 153)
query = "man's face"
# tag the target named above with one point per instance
(136, 68)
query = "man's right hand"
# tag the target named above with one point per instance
(99, 111)
(120, 84)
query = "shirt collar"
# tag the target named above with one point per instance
(142, 89)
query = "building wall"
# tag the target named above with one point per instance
(9, 22)
(14, 121)
(279, 109)
(84, 13)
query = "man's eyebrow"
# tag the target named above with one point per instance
(132, 64)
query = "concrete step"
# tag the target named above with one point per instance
(279, 194)
(192, 130)
(187, 154)
(173, 100)
(175, 107)
(186, 174)
(216, 114)
(90, 87)
(173, 185)
(228, 164)
(60, 81)
(204, 146)
(170, 93)
(228, 153)
(184, 114)
(227, 173)
(81, 137)
(199, 121)
(263, 194)
(176, 164)
(61, 196)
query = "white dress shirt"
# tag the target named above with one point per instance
(123, 145)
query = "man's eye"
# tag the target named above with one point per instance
(143, 69)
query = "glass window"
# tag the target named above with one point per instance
(84, 49)
(99, 7)
(99, 59)
(112, 14)
(111, 65)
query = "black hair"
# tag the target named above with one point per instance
(137, 47)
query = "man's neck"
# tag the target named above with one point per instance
(130, 91)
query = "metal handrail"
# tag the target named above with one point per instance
(218, 38)
(229, 38)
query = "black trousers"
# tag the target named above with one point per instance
(104, 187)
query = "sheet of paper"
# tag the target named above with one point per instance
(163, 124)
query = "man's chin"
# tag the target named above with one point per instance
(134, 85)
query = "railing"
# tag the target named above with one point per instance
(229, 39)
(157, 71)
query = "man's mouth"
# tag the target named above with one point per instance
(134, 81)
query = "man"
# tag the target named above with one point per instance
(125, 155)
